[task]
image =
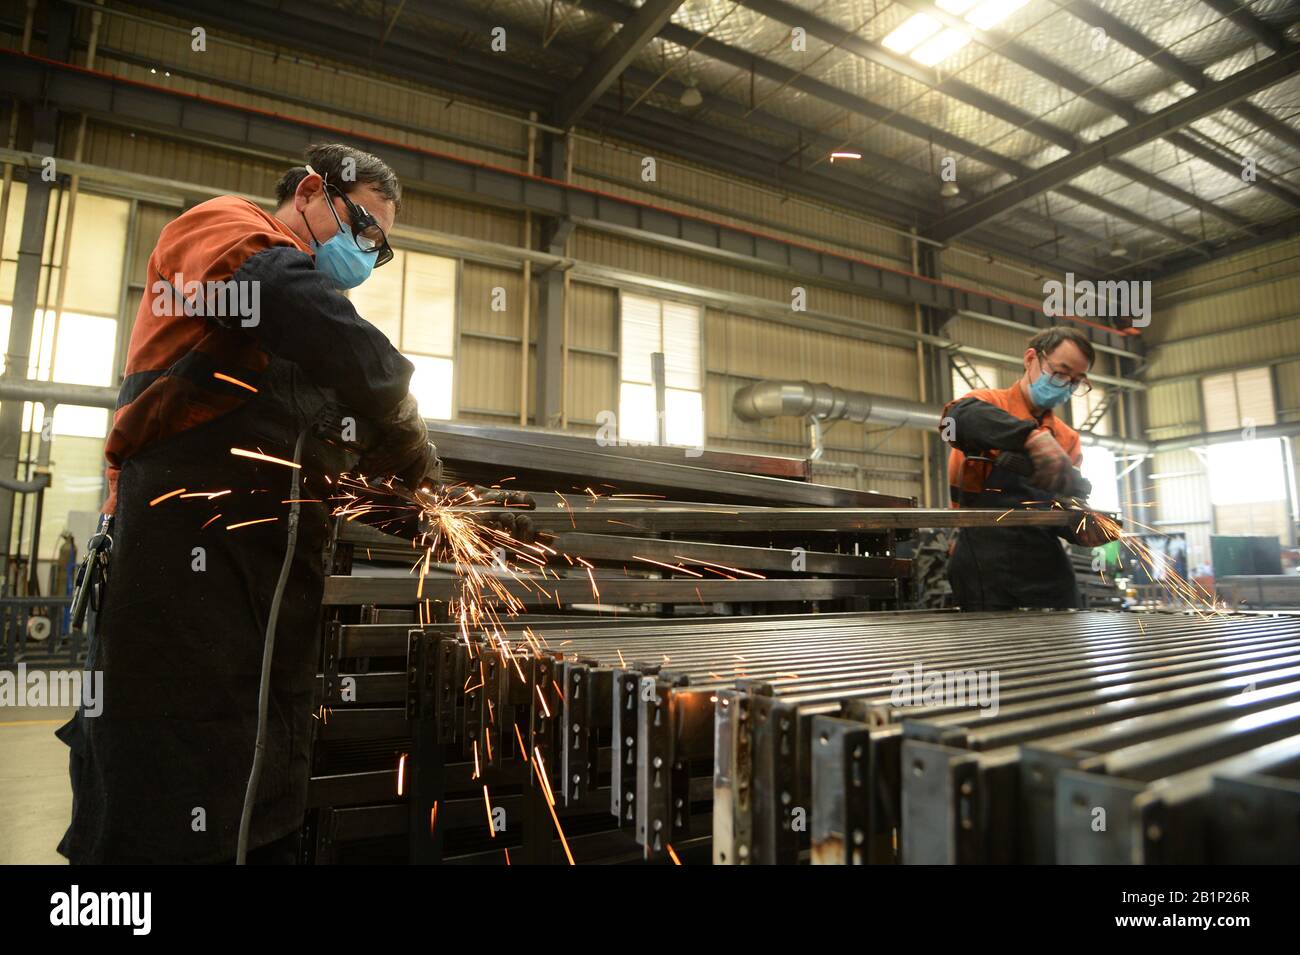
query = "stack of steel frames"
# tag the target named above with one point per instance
(1106, 737)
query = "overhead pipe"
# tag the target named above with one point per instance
(822, 402)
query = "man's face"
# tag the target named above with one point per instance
(313, 203)
(1066, 359)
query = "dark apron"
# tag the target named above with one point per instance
(1004, 568)
(160, 774)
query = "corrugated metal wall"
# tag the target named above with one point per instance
(1240, 312)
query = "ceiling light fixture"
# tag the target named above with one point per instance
(845, 155)
(1118, 250)
(691, 96)
(949, 189)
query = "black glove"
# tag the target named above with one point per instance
(500, 509)
(403, 450)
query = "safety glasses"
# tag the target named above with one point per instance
(1078, 386)
(366, 232)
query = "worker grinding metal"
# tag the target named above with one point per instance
(1009, 450)
(242, 341)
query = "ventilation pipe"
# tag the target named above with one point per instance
(821, 402)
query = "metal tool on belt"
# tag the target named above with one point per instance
(92, 573)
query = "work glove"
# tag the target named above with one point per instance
(500, 509)
(1092, 534)
(1052, 466)
(403, 450)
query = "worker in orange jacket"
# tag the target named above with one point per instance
(1002, 568)
(244, 356)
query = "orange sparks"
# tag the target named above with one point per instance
(668, 566)
(433, 816)
(621, 661)
(476, 769)
(523, 750)
(545, 709)
(507, 852)
(210, 520)
(710, 564)
(401, 774)
(264, 520)
(208, 494)
(258, 456)
(540, 768)
(671, 854)
(233, 381)
(161, 498)
(594, 589)
(492, 830)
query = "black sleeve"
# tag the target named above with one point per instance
(302, 318)
(978, 426)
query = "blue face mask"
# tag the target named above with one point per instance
(339, 258)
(1044, 394)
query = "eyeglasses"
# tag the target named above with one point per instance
(366, 232)
(1079, 386)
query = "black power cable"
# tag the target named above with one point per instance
(268, 652)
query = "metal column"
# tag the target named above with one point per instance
(550, 300)
(27, 280)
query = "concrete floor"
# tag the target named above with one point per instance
(35, 799)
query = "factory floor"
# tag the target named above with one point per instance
(35, 799)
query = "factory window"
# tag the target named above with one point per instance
(987, 373)
(77, 347)
(84, 356)
(647, 326)
(1099, 468)
(1248, 478)
(412, 300)
(1238, 399)
(1246, 471)
(81, 351)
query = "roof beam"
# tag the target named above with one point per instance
(1040, 65)
(1048, 69)
(333, 37)
(1276, 232)
(873, 111)
(234, 126)
(616, 56)
(1194, 77)
(1214, 97)
(1248, 22)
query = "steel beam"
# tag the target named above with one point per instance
(1243, 18)
(872, 111)
(353, 591)
(1193, 76)
(623, 520)
(973, 95)
(1214, 97)
(616, 56)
